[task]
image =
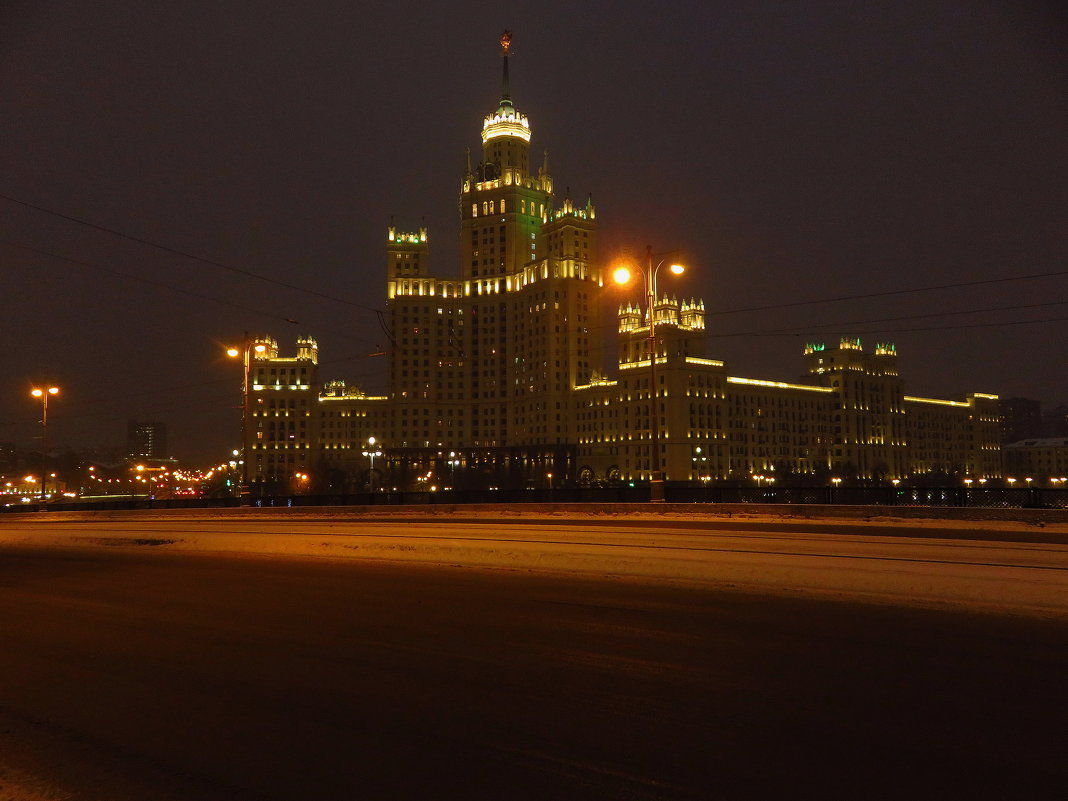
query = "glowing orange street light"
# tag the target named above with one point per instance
(622, 275)
(245, 351)
(43, 393)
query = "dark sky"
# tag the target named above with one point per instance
(795, 150)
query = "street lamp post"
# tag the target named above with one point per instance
(453, 462)
(245, 351)
(371, 452)
(43, 393)
(622, 275)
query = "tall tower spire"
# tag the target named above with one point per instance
(506, 46)
(506, 132)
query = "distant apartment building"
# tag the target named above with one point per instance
(1021, 419)
(1055, 422)
(1038, 459)
(147, 440)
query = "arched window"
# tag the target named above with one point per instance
(502, 205)
(474, 209)
(491, 211)
(485, 207)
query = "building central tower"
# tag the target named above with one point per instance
(501, 205)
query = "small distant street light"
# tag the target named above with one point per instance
(622, 275)
(43, 394)
(371, 451)
(549, 476)
(453, 464)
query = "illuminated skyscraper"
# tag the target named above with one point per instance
(495, 372)
(486, 361)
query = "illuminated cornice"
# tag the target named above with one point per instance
(775, 384)
(937, 401)
(601, 382)
(407, 238)
(506, 122)
(709, 362)
(644, 363)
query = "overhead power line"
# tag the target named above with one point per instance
(178, 289)
(845, 326)
(889, 292)
(186, 254)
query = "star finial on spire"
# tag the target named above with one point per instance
(506, 49)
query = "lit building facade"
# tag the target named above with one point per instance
(495, 374)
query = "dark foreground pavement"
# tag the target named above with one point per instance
(138, 675)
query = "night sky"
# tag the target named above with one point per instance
(795, 151)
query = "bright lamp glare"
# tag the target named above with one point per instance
(232, 352)
(621, 275)
(37, 393)
(678, 269)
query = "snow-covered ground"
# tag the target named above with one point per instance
(994, 565)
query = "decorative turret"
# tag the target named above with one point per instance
(407, 238)
(308, 349)
(692, 314)
(666, 310)
(630, 317)
(849, 357)
(270, 348)
(545, 178)
(407, 253)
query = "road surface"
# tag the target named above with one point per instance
(275, 659)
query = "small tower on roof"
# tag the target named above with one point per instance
(630, 317)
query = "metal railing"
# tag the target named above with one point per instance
(992, 498)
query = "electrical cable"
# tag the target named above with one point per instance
(187, 255)
(171, 287)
